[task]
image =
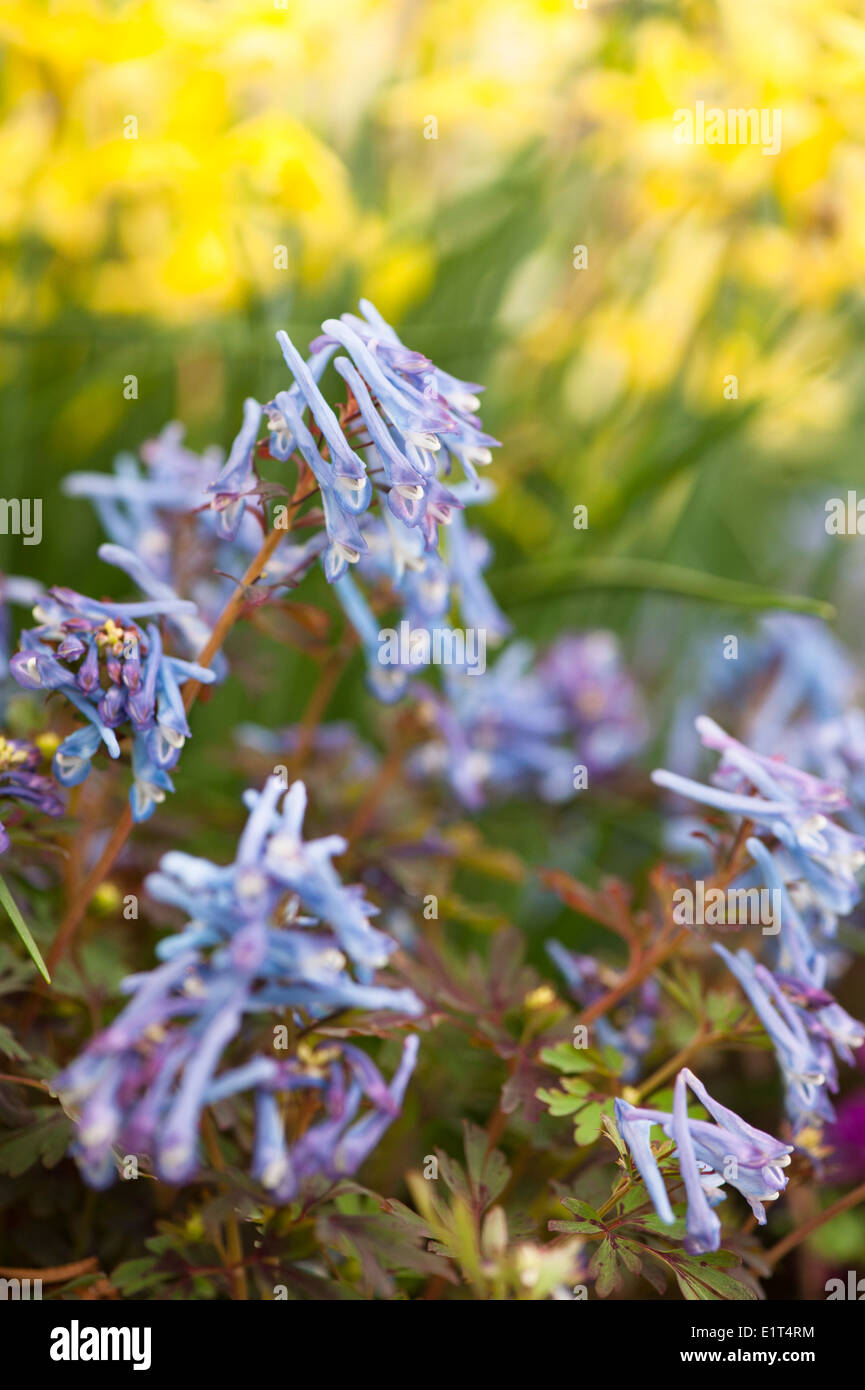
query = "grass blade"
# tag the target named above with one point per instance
(7, 900)
(562, 578)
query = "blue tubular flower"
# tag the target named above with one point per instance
(21, 784)
(345, 540)
(189, 625)
(518, 725)
(117, 676)
(431, 408)
(812, 871)
(17, 590)
(803, 966)
(792, 808)
(388, 683)
(803, 1023)
(811, 683)
(801, 1065)
(350, 478)
(282, 441)
(391, 447)
(142, 1084)
(730, 1150)
(498, 732)
(406, 494)
(419, 418)
(165, 531)
(229, 490)
(703, 1226)
(306, 868)
(605, 710)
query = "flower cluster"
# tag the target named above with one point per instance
(544, 727)
(810, 861)
(275, 932)
(730, 1150)
(22, 784)
(403, 412)
(178, 522)
(164, 532)
(117, 675)
(806, 692)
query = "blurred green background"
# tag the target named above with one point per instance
(179, 179)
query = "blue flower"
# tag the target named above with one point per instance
(730, 1150)
(792, 806)
(229, 490)
(117, 676)
(802, 1022)
(17, 590)
(21, 784)
(276, 932)
(526, 724)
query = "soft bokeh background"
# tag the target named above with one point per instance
(303, 125)
(299, 125)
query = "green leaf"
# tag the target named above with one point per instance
(576, 1228)
(588, 1123)
(703, 1277)
(604, 1269)
(7, 900)
(589, 1222)
(133, 1276)
(45, 1140)
(10, 1046)
(581, 1209)
(567, 1058)
(560, 1103)
(629, 1253)
(488, 1172)
(562, 577)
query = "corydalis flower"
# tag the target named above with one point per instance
(792, 806)
(275, 930)
(118, 677)
(164, 533)
(804, 1023)
(405, 424)
(588, 678)
(18, 590)
(427, 585)
(430, 408)
(22, 784)
(708, 1155)
(526, 725)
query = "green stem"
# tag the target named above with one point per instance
(23, 930)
